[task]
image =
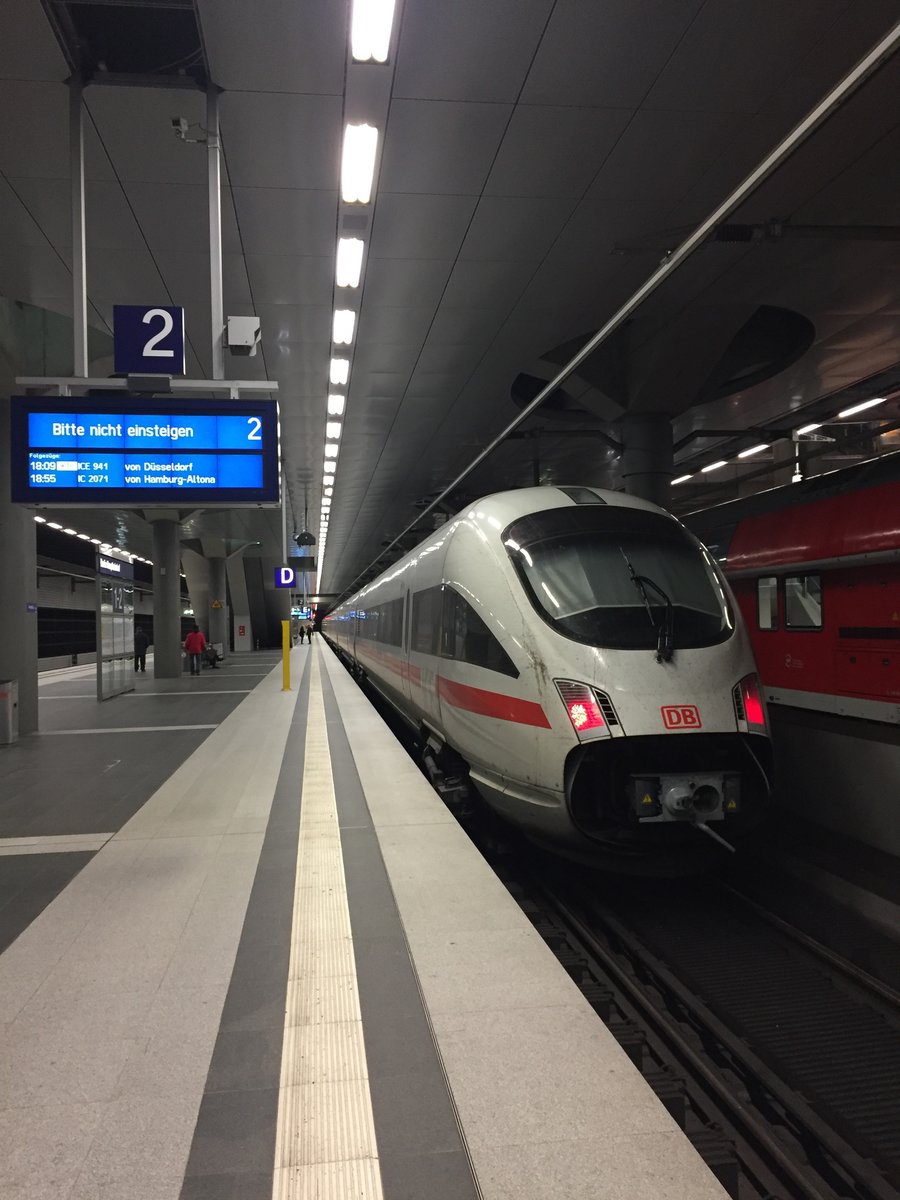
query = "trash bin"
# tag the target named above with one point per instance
(9, 711)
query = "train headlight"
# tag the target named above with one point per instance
(583, 708)
(748, 705)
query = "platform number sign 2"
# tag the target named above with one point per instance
(149, 340)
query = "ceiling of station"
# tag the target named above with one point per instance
(538, 159)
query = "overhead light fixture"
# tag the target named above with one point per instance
(754, 450)
(358, 163)
(331, 450)
(714, 466)
(41, 520)
(330, 468)
(343, 326)
(681, 479)
(335, 405)
(339, 371)
(348, 268)
(332, 429)
(807, 429)
(53, 525)
(72, 531)
(96, 542)
(328, 488)
(370, 30)
(858, 408)
(84, 537)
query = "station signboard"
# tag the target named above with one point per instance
(131, 450)
(148, 340)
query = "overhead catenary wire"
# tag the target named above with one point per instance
(878, 55)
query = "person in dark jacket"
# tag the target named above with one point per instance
(141, 643)
(194, 645)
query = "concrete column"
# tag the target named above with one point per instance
(196, 570)
(166, 598)
(218, 617)
(18, 590)
(647, 456)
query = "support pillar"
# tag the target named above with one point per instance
(648, 457)
(196, 571)
(218, 617)
(18, 590)
(166, 598)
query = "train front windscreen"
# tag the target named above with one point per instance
(623, 578)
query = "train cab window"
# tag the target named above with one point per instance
(611, 575)
(767, 602)
(803, 602)
(465, 637)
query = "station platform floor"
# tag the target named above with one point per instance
(248, 953)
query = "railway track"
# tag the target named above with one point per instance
(790, 1074)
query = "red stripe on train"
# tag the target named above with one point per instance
(492, 704)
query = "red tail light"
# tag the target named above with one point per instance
(754, 709)
(582, 706)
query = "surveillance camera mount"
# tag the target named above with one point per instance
(181, 127)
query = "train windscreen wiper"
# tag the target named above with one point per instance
(665, 629)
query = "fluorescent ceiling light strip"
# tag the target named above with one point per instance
(858, 408)
(331, 450)
(335, 406)
(348, 267)
(714, 466)
(682, 479)
(754, 450)
(808, 428)
(41, 520)
(339, 371)
(370, 30)
(330, 468)
(358, 163)
(332, 429)
(343, 326)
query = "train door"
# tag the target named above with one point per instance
(405, 645)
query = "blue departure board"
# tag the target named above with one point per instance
(89, 451)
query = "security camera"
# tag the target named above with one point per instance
(180, 126)
(242, 335)
(304, 539)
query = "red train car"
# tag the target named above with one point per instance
(815, 568)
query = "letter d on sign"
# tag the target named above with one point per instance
(284, 577)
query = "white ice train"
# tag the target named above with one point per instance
(577, 656)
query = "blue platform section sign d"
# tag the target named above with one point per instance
(148, 340)
(285, 577)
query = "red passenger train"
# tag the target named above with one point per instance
(815, 567)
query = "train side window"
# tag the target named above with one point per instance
(467, 638)
(767, 602)
(426, 621)
(803, 602)
(395, 609)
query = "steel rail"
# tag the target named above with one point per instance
(879, 54)
(753, 1127)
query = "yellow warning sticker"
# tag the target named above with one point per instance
(648, 799)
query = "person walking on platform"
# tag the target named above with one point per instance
(140, 649)
(309, 633)
(194, 645)
(302, 634)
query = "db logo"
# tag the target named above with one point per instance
(680, 716)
